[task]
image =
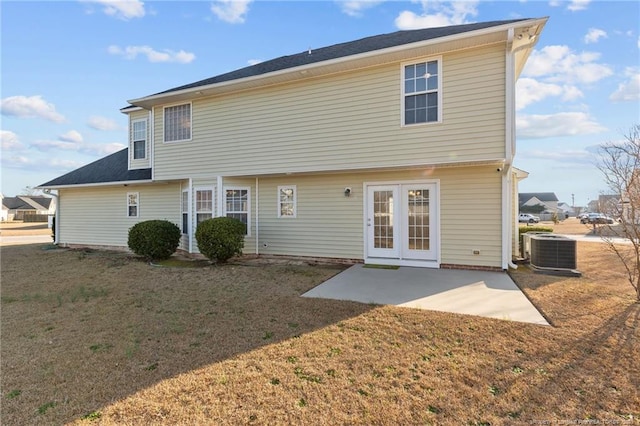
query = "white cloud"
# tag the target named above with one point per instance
(594, 34)
(254, 61)
(231, 11)
(121, 9)
(30, 107)
(64, 165)
(628, 90)
(444, 14)
(47, 145)
(577, 5)
(529, 90)
(131, 52)
(566, 156)
(102, 123)
(561, 124)
(561, 64)
(72, 136)
(104, 149)
(356, 7)
(16, 161)
(9, 141)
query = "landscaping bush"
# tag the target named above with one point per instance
(525, 229)
(154, 239)
(220, 238)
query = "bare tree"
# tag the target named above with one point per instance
(620, 165)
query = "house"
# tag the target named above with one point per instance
(27, 208)
(548, 200)
(370, 150)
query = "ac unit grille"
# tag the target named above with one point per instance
(553, 251)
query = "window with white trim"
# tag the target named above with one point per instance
(133, 204)
(177, 123)
(421, 92)
(287, 201)
(204, 204)
(185, 211)
(139, 139)
(236, 201)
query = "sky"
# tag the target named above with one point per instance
(67, 68)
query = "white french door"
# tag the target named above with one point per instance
(402, 222)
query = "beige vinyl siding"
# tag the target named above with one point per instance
(146, 162)
(97, 216)
(328, 224)
(342, 122)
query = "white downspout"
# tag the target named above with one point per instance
(219, 195)
(257, 219)
(507, 189)
(190, 232)
(56, 225)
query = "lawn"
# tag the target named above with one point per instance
(101, 337)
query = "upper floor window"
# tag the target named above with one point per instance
(287, 201)
(177, 123)
(421, 92)
(237, 205)
(133, 201)
(139, 139)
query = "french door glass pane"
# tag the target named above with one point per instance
(383, 219)
(418, 220)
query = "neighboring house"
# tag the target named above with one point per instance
(609, 204)
(371, 150)
(566, 210)
(546, 199)
(23, 205)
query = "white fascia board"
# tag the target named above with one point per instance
(469, 34)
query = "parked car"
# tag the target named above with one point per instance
(597, 218)
(528, 218)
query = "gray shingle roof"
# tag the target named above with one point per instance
(16, 203)
(112, 168)
(523, 197)
(341, 50)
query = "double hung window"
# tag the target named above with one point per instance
(133, 204)
(204, 204)
(177, 123)
(139, 139)
(421, 92)
(237, 205)
(287, 201)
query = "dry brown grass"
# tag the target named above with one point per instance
(23, 228)
(106, 337)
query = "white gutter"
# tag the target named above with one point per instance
(151, 143)
(56, 225)
(86, 185)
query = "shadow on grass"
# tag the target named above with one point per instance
(82, 329)
(557, 385)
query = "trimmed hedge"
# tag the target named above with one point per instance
(525, 229)
(220, 238)
(154, 239)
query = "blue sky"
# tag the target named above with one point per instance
(68, 67)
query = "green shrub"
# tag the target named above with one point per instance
(525, 229)
(154, 239)
(220, 238)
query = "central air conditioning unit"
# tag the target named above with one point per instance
(525, 246)
(553, 253)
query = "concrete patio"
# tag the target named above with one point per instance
(487, 294)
